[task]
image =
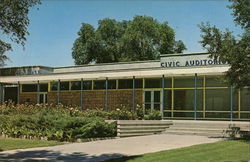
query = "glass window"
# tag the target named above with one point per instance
(125, 84)
(99, 84)
(148, 97)
(111, 84)
(218, 99)
(138, 83)
(167, 99)
(184, 114)
(168, 83)
(184, 99)
(215, 81)
(153, 83)
(53, 86)
(76, 85)
(64, 85)
(245, 99)
(157, 96)
(29, 87)
(187, 82)
(217, 115)
(44, 87)
(87, 85)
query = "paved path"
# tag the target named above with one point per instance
(106, 149)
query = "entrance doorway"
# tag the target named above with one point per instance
(42, 98)
(152, 100)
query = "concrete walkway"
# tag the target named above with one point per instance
(105, 149)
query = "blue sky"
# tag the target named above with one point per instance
(53, 28)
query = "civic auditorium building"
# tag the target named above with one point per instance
(181, 86)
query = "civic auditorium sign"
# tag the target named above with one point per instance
(183, 60)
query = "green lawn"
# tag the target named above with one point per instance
(230, 150)
(10, 143)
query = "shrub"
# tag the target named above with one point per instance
(121, 115)
(58, 127)
(153, 115)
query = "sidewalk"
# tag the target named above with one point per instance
(106, 149)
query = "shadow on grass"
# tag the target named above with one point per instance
(122, 159)
(48, 155)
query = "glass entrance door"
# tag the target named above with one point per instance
(152, 100)
(42, 98)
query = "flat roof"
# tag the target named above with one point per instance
(149, 68)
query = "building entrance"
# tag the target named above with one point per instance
(152, 100)
(42, 98)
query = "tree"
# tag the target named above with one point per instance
(226, 47)
(142, 38)
(13, 23)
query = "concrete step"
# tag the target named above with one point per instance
(134, 134)
(208, 134)
(196, 129)
(140, 131)
(200, 125)
(142, 127)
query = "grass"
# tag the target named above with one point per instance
(229, 150)
(11, 143)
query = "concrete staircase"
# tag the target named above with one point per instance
(203, 128)
(128, 128)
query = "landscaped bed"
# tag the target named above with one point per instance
(62, 123)
(228, 150)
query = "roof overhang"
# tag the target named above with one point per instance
(215, 70)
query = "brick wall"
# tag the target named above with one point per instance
(91, 99)
(30, 98)
(71, 98)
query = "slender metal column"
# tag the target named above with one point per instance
(106, 94)
(18, 92)
(195, 96)
(239, 104)
(231, 103)
(1, 93)
(133, 95)
(81, 95)
(38, 91)
(163, 84)
(172, 98)
(58, 91)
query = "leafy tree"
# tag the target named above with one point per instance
(13, 23)
(142, 38)
(226, 47)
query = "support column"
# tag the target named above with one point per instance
(163, 86)
(106, 94)
(172, 98)
(58, 91)
(18, 92)
(81, 95)
(38, 92)
(1, 93)
(239, 104)
(231, 103)
(133, 95)
(195, 96)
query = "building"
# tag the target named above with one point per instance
(182, 86)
